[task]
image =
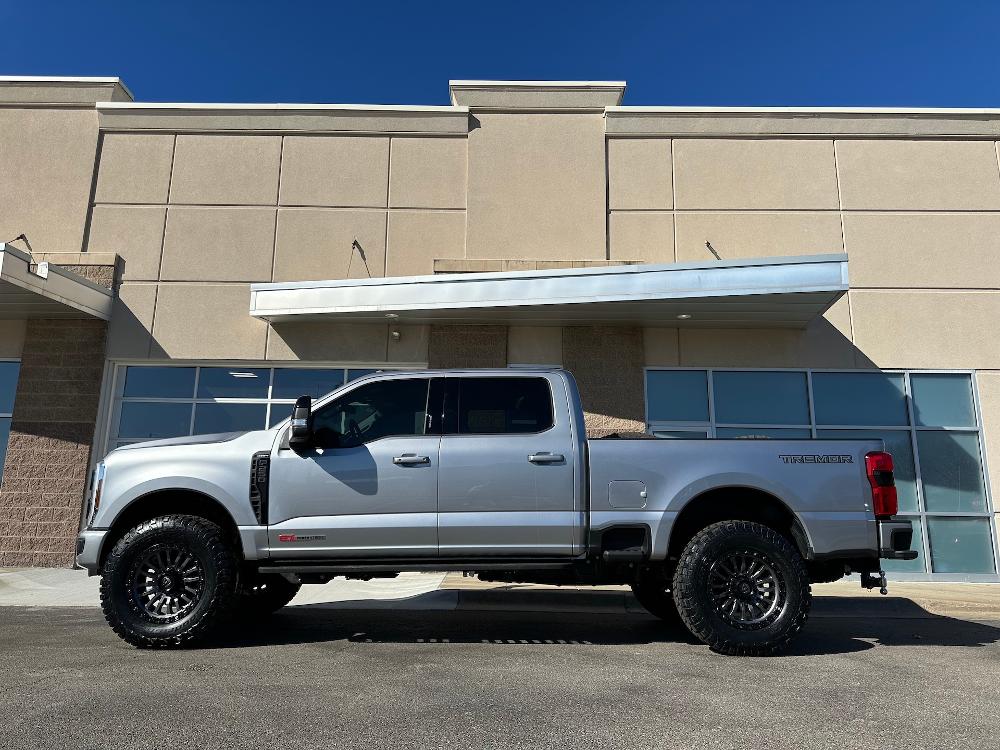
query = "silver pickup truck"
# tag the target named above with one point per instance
(488, 472)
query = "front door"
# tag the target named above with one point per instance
(507, 481)
(368, 485)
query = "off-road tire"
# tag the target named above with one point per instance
(264, 593)
(656, 598)
(121, 598)
(696, 589)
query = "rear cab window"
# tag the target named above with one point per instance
(499, 406)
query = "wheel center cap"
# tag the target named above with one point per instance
(744, 588)
(167, 582)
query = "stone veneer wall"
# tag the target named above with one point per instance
(607, 363)
(52, 429)
(467, 346)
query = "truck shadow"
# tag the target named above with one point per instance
(839, 625)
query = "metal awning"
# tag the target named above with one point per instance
(767, 292)
(32, 290)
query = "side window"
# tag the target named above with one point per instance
(491, 406)
(376, 410)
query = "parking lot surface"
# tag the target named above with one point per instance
(397, 676)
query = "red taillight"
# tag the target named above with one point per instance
(878, 466)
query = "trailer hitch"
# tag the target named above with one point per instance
(873, 580)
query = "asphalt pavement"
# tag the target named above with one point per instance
(480, 675)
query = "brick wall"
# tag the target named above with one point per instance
(607, 364)
(467, 346)
(55, 412)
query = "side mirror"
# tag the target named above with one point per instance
(301, 432)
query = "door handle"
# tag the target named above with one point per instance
(546, 458)
(409, 459)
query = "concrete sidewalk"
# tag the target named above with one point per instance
(48, 587)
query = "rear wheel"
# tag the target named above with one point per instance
(264, 593)
(169, 581)
(742, 588)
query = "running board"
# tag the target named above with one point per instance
(340, 567)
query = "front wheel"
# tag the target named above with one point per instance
(169, 581)
(742, 588)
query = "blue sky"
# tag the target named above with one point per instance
(836, 52)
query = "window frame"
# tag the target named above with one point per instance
(921, 514)
(9, 415)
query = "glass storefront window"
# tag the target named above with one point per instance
(951, 472)
(677, 395)
(859, 398)
(927, 420)
(233, 382)
(158, 401)
(292, 382)
(960, 545)
(159, 382)
(8, 388)
(760, 398)
(942, 400)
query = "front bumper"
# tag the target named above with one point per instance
(895, 538)
(88, 549)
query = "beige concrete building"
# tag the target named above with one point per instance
(670, 257)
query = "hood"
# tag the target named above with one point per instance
(219, 437)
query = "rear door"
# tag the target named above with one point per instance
(506, 476)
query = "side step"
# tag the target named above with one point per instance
(341, 567)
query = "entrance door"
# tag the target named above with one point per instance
(507, 470)
(368, 484)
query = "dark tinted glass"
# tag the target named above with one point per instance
(292, 383)
(8, 385)
(233, 382)
(760, 397)
(159, 382)
(489, 406)
(210, 418)
(677, 395)
(154, 420)
(4, 435)
(859, 398)
(372, 411)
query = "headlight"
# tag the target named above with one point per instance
(96, 485)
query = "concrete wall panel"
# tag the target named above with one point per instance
(645, 236)
(640, 173)
(46, 173)
(932, 329)
(134, 168)
(133, 232)
(418, 238)
(315, 244)
(778, 173)
(130, 331)
(918, 174)
(11, 338)
(758, 234)
(218, 244)
(206, 321)
(923, 249)
(428, 172)
(335, 171)
(537, 187)
(226, 170)
(334, 342)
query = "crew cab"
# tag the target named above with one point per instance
(489, 472)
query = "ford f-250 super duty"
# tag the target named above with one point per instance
(489, 472)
